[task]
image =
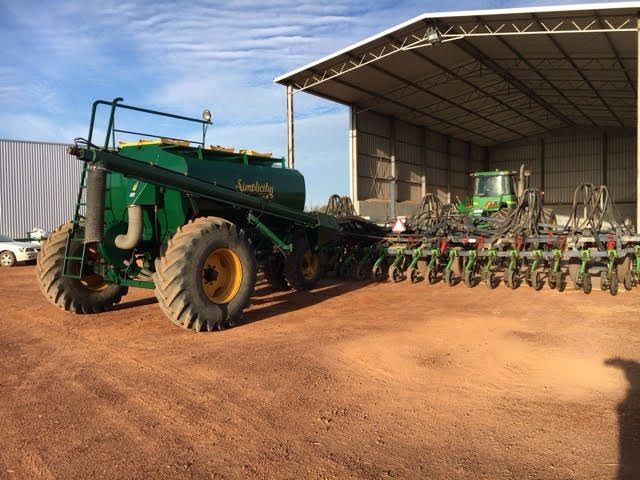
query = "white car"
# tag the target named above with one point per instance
(12, 251)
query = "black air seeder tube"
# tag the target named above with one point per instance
(94, 216)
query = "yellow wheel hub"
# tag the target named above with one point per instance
(310, 264)
(221, 275)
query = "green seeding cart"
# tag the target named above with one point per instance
(189, 221)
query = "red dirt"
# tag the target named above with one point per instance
(348, 381)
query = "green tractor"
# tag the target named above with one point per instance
(495, 193)
(191, 222)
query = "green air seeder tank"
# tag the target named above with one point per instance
(261, 177)
(192, 222)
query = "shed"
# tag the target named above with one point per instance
(446, 94)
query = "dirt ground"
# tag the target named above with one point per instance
(347, 381)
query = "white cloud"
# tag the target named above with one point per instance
(186, 56)
(31, 126)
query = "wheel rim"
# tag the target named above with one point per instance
(221, 275)
(310, 265)
(6, 259)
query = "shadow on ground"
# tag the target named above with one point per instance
(279, 302)
(629, 421)
(135, 303)
(268, 302)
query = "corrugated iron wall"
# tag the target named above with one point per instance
(622, 166)
(430, 162)
(511, 156)
(566, 160)
(436, 164)
(374, 156)
(425, 161)
(459, 163)
(38, 186)
(409, 150)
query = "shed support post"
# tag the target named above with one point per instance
(468, 168)
(638, 127)
(423, 173)
(448, 171)
(393, 195)
(543, 166)
(353, 156)
(290, 158)
(605, 159)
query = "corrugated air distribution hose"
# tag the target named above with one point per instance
(94, 217)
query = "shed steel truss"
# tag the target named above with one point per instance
(492, 99)
(424, 37)
(474, 70)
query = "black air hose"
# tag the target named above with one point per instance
(94, 216)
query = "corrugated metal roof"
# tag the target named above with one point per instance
(38, 186)
(491, 76)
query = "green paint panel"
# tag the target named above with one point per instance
(255, 175)
(164, 209)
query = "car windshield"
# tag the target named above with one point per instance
(492, 186)
(4, 238)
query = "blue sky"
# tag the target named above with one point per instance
(185, 56)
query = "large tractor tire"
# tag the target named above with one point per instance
(89, 294)
(273, 270)
(206, 276)
(303, 267)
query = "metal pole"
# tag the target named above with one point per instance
(423, 174)
(543, 166)
(290, 157)
(638, 127)
(468, 167)
(353, 156)
(393, 196)
(448, 171)
(605, 159)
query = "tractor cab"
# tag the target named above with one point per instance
(494, 191)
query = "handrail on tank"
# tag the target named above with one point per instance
(111, 130)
